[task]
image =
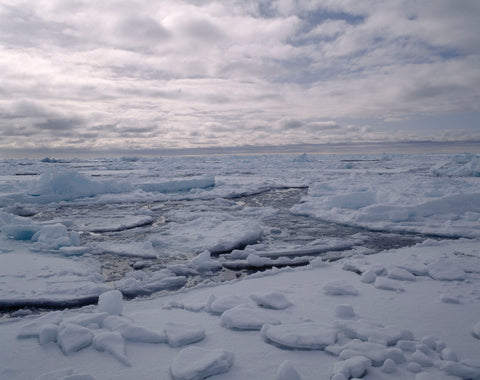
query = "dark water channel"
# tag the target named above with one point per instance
(284, 231)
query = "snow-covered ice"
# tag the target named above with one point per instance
(170, 229)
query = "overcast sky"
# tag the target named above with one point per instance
(149, 74)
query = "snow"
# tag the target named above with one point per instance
(401, 313)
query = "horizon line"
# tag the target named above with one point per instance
(393, 147)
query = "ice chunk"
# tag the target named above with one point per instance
(388, 284)
(32, 329)
(445, 270)
(273, 300)
(181, 334)
(244, 317)
(221, 304)
(113, 344)
(306, 336)
(286, 371)
(203, 262)
(72, 338)
(476, 330)
(194, 363)
(353, 367)
(111, 302)
(339, 288)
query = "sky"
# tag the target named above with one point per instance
(144, 75)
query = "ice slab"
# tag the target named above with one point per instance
(244, 317)
(48, 280)
(72, 338)
(181, 185)
(181, 334)
(113, 344)
(272, 300)
(143, 283)
(194, 363)
(111, 302)
(446, 270)
(339, 288)
(306, 336)
(218, 305)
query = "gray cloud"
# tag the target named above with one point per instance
(183, 73)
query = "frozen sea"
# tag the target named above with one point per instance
(200, 257)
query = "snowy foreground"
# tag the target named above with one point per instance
(412, 313)
(183, 233)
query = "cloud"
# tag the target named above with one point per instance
(183, 73)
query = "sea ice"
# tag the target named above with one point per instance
(194, 363)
